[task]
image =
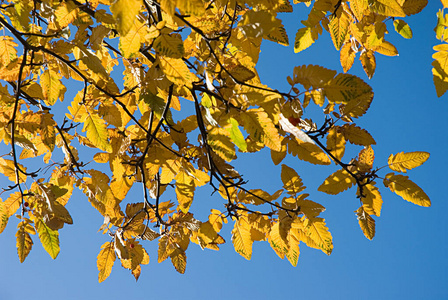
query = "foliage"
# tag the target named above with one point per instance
(138, 62)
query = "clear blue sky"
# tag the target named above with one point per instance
(406, 259)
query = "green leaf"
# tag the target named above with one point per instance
(236, 136)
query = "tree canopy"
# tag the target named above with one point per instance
(166, 95)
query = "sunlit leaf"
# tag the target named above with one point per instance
(406, 189)
(406, 161)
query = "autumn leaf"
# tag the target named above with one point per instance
(406, 189)
(105, 261)
(241, 239)
(291, 180)
(406, 161)
(337, 182)
(48, 237)
(96, 131)
(366, 222)
(24, 241)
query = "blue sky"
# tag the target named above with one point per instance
(406, 259)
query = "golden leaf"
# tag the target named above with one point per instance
(184, 190)
(365, 159)
(66, 13)
(291, 180)
(276, 241)
(293, 251)
(8, 169)
(357, 135)
(347, 56)
(96, 131)
(406, 189)
(130, 42)
(48, 237)
(179, 260)
(339, 23)
(241, 238)
(24, 242)
(368, 62)
(105, 261)
(386, 48)
(307, 152)
(313, 76)
(317, 231)
(221, 143)
(8, 51)
(279, 35)
(337, 182)
(169, 45)
(258, 124)
(52, 87)
(346, 88)
(371, 199)
(177, 71)
(336, 142)
(305, 37)
(389, 8)
(125, 13)
(366, 222)
(406, 161)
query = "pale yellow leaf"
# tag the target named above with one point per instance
(406, 161)
(241, 238)
(406, 189)
(337, 182)
(105, 261)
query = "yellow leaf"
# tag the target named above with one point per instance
(366, 222)
(358, 106)
(184, 190)
(347, 56)
(48, 237)
(368, 62)
(386, 48)
(406, 189)
(96, 131)
(8, 169)
(105, 261)
(169, 45)
(336, 142)
(389, 8)
(357, 135)
(293, 252)
(307, 152)
(220, 142)
(371, 199)
(406, 161)
(276, 241)
(48, 131)
(241, 238)
(337, 182)
(261, 128)
(440, 69)
(179, 260)
(365, 159)
(313, 76)
(339, 23)
(346, 88)
(66, 13)
(403, 28)
(4, 216)
(125, 13)
(305, 37)
(24, 242)
(8, 51)
(130, 42)
(291, 180)
(52, 87)
(317, 231)
(177, 71)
